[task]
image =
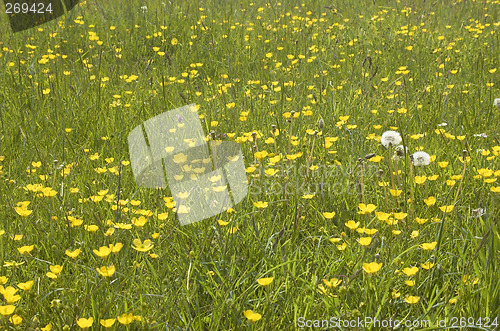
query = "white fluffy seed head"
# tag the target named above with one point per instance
(420, 159)
(390, 138)
(400, 151)
(496, 102)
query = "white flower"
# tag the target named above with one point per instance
(481, 135)
(390, 138)
(144, 8)
(478, 212)
(420, 159)
(496, 102)
(400, 151)
(443, 124)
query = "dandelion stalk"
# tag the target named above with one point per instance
(380, 172)
(396, 171)
(412, 189)
(362, 183)
(391, 171)
(389, 139)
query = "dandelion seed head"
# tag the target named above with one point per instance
(420, 159)
(478, 212)
(390, 138)
(321, 124)
(400, 151)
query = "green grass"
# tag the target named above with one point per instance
(384, 64)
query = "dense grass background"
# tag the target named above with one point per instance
(71, 91)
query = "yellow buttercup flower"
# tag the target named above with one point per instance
(91, 228)
(142, 246)
(260, 155)
(7, 310)
(126, 319)
(103, 251)
(180, 158)
(183, 209)
(395, 193)
(443, 164)
(412, 299)
(252, 316)
(352, 225)
(85, 323)
(222, 223)
(410, 271)
(139, 222)
(260, 204)
(400, 216)
(107, 323)
(106, 271)
(15, 319)
(429, 246)
(370, 231)
(410, 283)
(376, 159)
(372, 267)
(265, 281)
(342, 247)
(430, 201)
(427, 265)
(56, 268)
(26, 286)
(25, 249)
(420, 220)
(382, 216)
(447, 209)
(23, 211)
(329, 215)
(420, 179)
(334, 282)
(9, 294)
(270, 171)
(365, 241)
(366, 209)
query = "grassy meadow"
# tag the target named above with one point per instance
(336, 226)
